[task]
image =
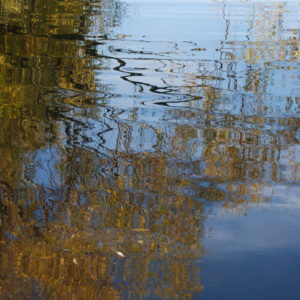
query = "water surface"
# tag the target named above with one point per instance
(149, 149)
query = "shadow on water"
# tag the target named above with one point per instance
(115, 148)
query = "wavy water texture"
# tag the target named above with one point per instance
(141, 144)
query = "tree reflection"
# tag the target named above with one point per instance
(83, 179)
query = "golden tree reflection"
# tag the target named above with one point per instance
(99, 202)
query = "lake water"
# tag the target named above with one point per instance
(149, 149)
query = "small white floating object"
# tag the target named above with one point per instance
(75, 261)
(120, 253)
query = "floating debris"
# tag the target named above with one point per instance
(120, 253)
